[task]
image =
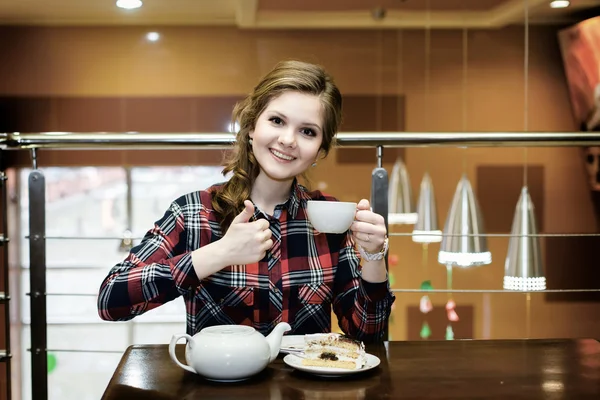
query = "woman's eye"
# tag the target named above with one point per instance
(276, 120)
(308, 132)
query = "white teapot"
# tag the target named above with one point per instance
(229, 353)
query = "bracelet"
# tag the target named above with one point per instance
(374, 256)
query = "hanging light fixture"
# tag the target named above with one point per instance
(523, 266)
(426, 229)
(463, 243)
(401, 207)
(126, 242)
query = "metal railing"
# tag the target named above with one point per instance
(139, 141)
(82, 141)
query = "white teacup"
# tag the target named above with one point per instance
(331, 216)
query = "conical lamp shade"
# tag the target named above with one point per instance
(463, 244)
(400, 201)
(126, 242)
(426, 229)
(523, 266)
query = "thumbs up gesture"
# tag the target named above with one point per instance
(247, 242)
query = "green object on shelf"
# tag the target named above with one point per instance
(425, 331)
(51, 362)
(391, 278)
(426, 285)
(449, 333)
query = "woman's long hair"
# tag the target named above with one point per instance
(287, 76)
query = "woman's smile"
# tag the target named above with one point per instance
(282, 157)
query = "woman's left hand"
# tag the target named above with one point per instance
(368, 228)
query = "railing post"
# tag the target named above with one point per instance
(5, 354)
(37, 282)
(379, 197)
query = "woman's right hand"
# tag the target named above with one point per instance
(247, 242)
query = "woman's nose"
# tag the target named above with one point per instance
(287, 138)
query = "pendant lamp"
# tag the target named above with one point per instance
(523, 266)
(426, 229)
(400, 208)
(463, 243)
(126, 242)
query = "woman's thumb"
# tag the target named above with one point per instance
(246, 213)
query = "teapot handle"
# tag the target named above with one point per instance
(174, 341)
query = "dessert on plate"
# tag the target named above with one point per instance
(332, 350)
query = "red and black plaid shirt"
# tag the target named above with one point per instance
(300, 279)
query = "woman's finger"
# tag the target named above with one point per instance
(369, 216)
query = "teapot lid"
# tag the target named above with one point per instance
(237, 330)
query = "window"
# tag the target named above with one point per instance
(87, 212)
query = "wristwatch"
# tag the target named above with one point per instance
(374, 256)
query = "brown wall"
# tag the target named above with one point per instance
(205, 62)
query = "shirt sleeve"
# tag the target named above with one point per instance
(362, 308)
(155, 272)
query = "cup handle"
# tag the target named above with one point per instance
(174, 341)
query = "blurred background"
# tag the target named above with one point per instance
(179, 66)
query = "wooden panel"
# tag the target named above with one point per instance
(3, 383)
(213, 114)
(28, 114)
(437, 320)
(346, 5)
(171, 114)
(372, 114)
(100, 114)
(572, 263)
(158, 115)
(498, 190)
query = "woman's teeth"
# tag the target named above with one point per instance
(281, 155)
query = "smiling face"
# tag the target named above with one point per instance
(288, 135)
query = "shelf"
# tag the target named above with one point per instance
(3, 297)
(4, 356)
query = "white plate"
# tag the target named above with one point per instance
(290, 343)
(296, 363)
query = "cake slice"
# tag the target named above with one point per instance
(332, 350)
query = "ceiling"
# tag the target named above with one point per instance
(297, 14)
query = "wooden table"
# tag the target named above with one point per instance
(495, 369)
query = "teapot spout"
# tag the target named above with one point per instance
(274, 338)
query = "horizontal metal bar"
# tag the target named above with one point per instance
(83, 351)
(91, 320)
(4, 297)
(413, 290)
(494, 291)
(3, 239)
(399, 234)
(85, 238)
(101, 140)
(4, 355)
(71, 294)
(490, 235)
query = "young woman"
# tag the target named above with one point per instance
(244, 252)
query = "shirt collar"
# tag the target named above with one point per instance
(298, 198)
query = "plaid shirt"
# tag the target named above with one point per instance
(299, 280)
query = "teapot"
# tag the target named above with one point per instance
(229, 353)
